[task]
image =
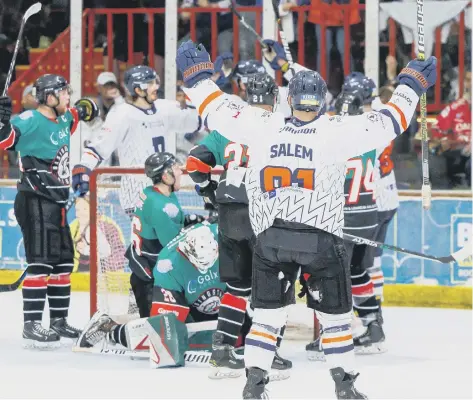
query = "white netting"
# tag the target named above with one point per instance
(113, 294)
(113, 224)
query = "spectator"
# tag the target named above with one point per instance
(331, 13)
(452, 137)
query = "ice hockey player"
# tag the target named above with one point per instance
(42, 137)
(138, 129)
(158, 218)
(235, 235)
(296, 207)
(186, 284)
(361, 219)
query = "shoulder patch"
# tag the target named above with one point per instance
(164, 266)
(26, 115)
(171, 210)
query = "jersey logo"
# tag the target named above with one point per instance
(164, 266)
(171, 209)
(208, 302)
(60, 166)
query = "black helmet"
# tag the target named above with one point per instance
(246, 68)
(158, 163)
(49, 84)
(261, 89)
(349, 103)
(139, 77)
(308, 90)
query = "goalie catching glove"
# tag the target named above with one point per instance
(87, 109)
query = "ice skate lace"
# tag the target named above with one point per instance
(40, 330)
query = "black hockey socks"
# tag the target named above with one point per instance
(230, 317)
(118, 335)
(364, 300)
(59, 294)
(377, 276)
(34, 295)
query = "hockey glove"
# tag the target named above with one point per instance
(193, 61)
(87, 109)
(419, 75)
(5, 111)
(274, 53)
(192, 219)
(223, 65)
(80, 179)
(208, 190)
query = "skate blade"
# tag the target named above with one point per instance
(31, 344)
(224, 373)
(375, 348)
(279, 375)
(315, 356)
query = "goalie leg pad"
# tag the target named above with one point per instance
(168, 341)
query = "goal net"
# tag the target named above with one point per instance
(110, 233)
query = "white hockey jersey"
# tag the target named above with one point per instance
(137, 134)
(298, 169)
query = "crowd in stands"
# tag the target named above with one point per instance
(450, 145)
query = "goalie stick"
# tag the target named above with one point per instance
(426, 189)
(11, 287)
(459, 255)
(246, 25)
(34, 9)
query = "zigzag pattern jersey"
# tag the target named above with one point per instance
(179, 287)
(297, 170)
(43, 145)
(387, 197)
(136, 134)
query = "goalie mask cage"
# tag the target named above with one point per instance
(110, 228)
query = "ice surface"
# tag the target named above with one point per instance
(430, 356)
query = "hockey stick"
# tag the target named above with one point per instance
(246, 25)
(281, 32)
(34, 9)
(459, 255)
(426, 189)
(11, 287)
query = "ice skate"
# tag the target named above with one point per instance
(372, 341)
(256, 380)
(35, 336)
(314, 351)
(224, 363)
(280, 369)
(95, 331)
(344, 384)
(63, 329)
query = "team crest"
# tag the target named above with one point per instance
(60, 165)
(208, 302)
(171, 210)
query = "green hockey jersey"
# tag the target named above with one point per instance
(157, 220)
(179, 287)
(360, 203)
(214, 150)
(43, 146)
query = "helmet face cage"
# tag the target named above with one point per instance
(200, 247)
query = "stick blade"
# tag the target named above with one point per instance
(463, 253)
(34, 9)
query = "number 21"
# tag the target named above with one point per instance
(272, 178)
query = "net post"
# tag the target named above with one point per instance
(93, 260)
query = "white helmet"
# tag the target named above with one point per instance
(200, 247)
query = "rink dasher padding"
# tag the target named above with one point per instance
(400, 295)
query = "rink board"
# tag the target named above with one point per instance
(409, 280)
(403, 295)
